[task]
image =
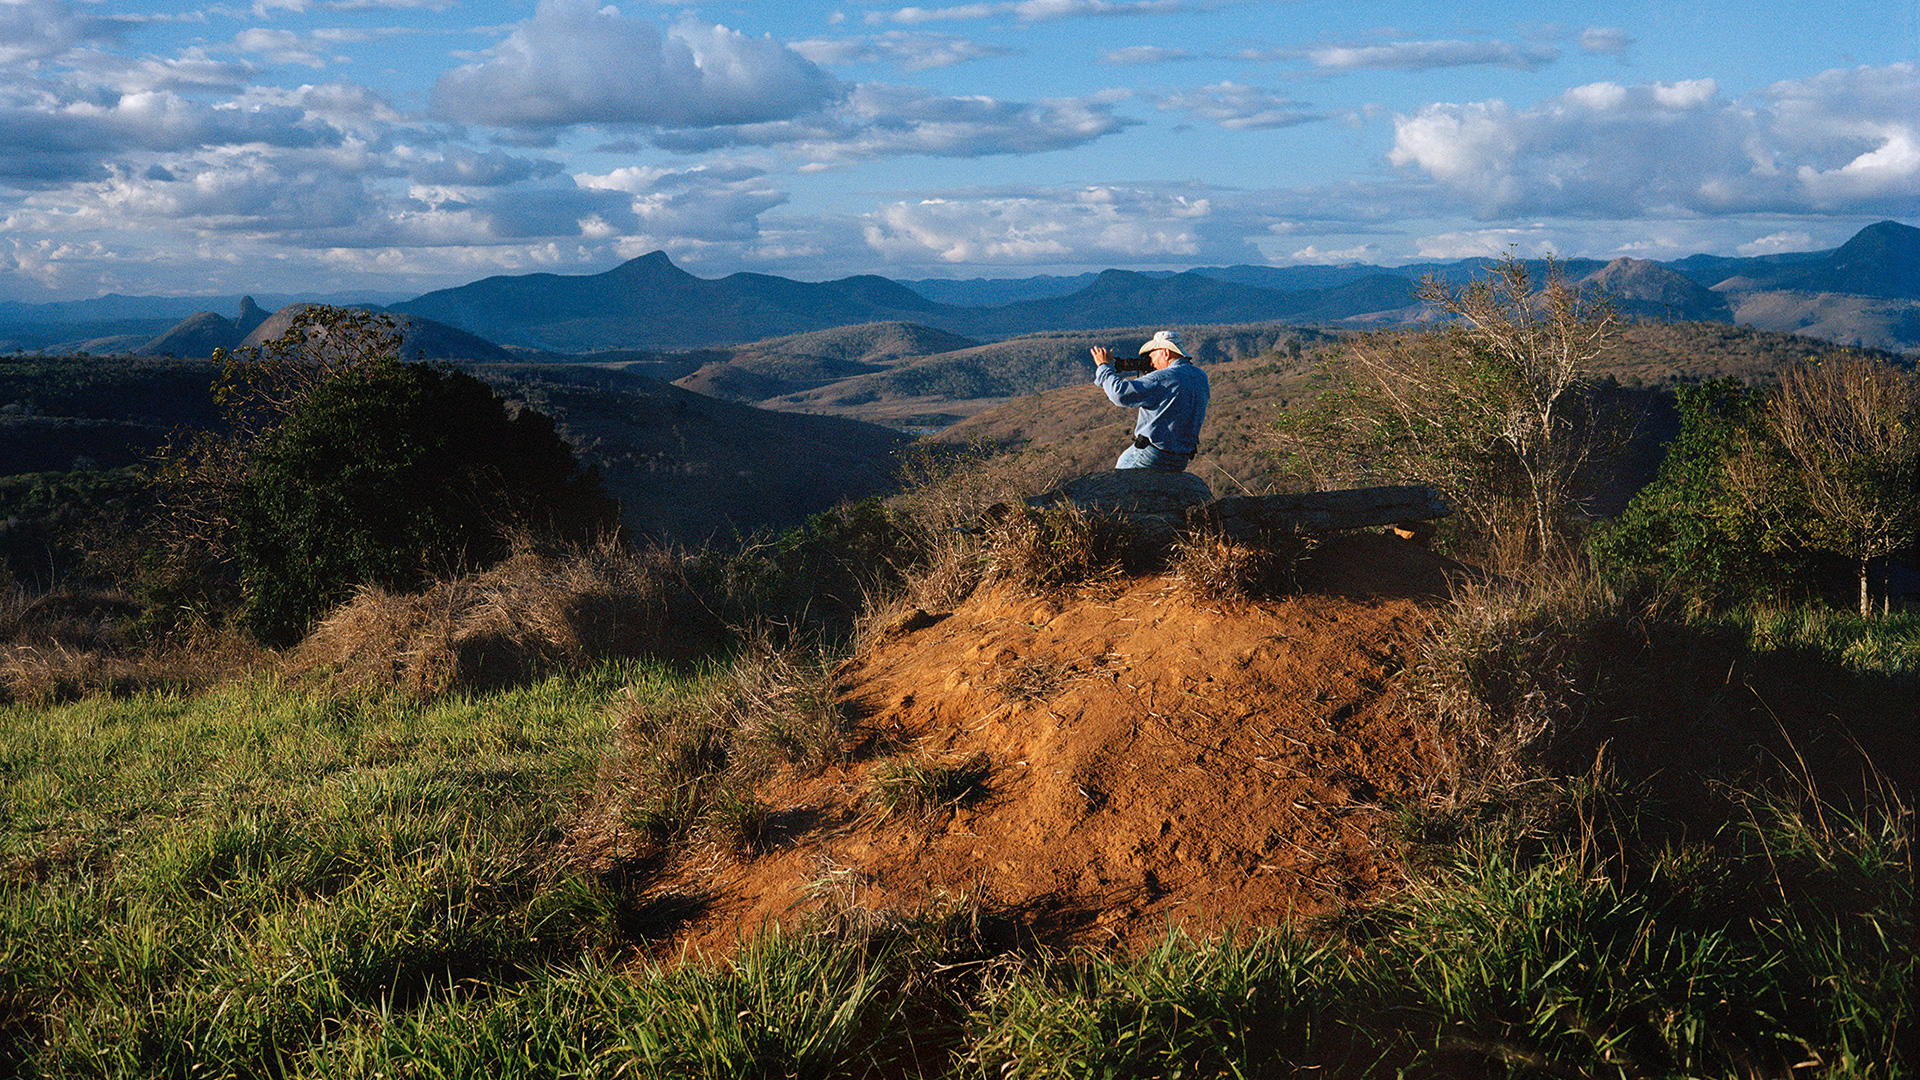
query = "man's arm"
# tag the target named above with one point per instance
(1146, 391)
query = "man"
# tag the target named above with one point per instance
(1172, 399)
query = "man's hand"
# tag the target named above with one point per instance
(1101, 355)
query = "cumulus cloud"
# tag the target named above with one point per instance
(458, 167)
(1240, 108)
(576, 63)
(681, 208)
(32, 30)
(879, 121)
(1428, 55)
(1111, 224)
(79, 138)
(904, 49)
(1845, 141)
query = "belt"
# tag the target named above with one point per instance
(1141, 442)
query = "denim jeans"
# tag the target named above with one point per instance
(1152, 457)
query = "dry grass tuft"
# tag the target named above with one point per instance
(1061, 546)
(1516, 669)
(959, 501)
(1033, 678)
(688, 768)
(924, 787)
(1214, 569)
(532, 615)
(64, 645)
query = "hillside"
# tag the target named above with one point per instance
(934, 390)
(1073, 429)
(688, 468)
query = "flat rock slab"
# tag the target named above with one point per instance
(1245, 516)
(1131, 491)
(1164, 505)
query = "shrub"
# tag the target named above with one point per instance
(1686, 528)
(1497, 409)
(343, 467)
(389, 476)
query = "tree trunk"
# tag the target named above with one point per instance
(1866, 599)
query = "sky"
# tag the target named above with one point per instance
(392, 147)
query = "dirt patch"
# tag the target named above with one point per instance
(1150, 761)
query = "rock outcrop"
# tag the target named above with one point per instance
(1160, 507)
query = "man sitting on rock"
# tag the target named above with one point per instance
(1172, 399)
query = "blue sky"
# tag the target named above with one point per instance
(396, 146)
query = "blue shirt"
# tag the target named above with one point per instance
(1172, 403)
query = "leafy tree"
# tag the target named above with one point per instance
(1495, 408)
(1839, 468)
(342, 466)
(1688, 526)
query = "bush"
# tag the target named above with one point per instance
(1685, 527)
(390, 476)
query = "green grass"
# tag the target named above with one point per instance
(1886, 645)
(258, 882)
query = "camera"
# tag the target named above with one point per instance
(1133, 365)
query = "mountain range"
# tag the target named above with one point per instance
(1866, 293)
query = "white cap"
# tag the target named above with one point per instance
(1165, 339)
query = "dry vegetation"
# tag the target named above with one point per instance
(538, 613)
(68, 643)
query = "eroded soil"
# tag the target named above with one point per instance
(1150, 760)
(1153, 761)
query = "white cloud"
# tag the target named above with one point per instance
(1241, 108)
(680, 208)
(307, 50)
(1841, 141)
(33, 30)
(1032, 10)
(1096, 225)
(1777, 243)
(878, 120)
(1485, 243)
(1144, 54)
(1427, 55)
(279, 46)
(574, 63)
(1359, 253)
(1605, 40)
(903, 49)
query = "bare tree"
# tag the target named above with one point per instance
(1850, 431)
(1490, 408)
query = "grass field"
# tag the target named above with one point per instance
(263, 881)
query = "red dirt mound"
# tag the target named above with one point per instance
(1150, 760)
